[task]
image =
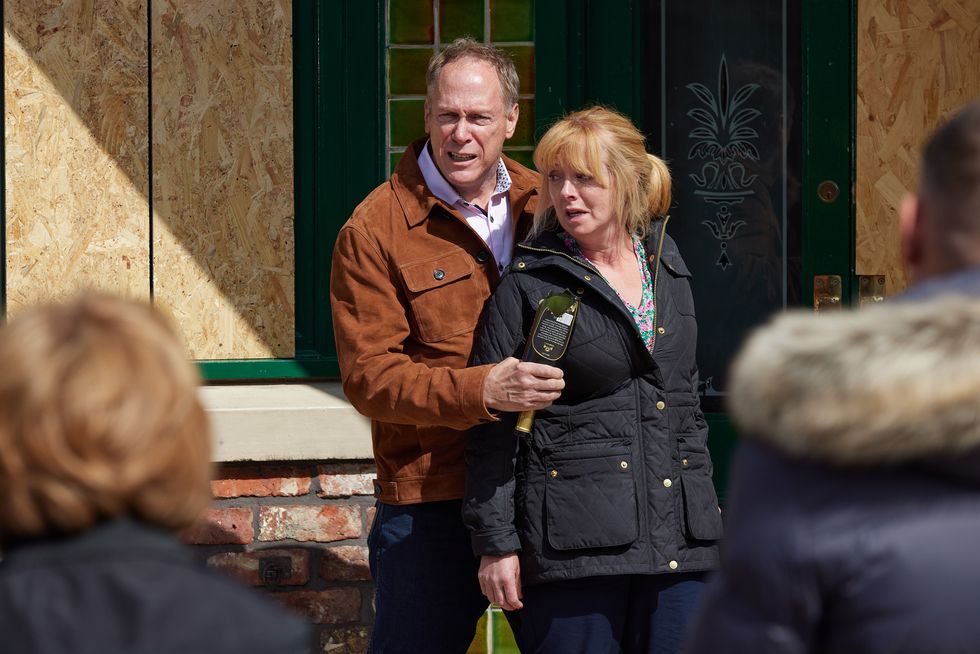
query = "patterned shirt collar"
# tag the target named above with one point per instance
(444, 190)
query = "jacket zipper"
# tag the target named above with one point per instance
(656, 275)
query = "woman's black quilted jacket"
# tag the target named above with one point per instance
(615, 477)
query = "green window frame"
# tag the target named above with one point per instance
(342, 151)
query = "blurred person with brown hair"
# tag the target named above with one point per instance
(104, 454)
(598, 526)
(854, 512)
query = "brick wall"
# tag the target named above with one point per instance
(298, 531)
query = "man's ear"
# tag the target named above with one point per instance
(912, 231)
(511, 118)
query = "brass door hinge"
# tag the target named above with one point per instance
(826, 293)
(871, 288)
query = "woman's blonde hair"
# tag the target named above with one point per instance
(604, 144)
(99, 418)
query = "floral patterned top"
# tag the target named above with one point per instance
(645, 314)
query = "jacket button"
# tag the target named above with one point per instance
(579, 290)
(521, 264)
(482, 256)
(668, 483)
(660, 330)
(672, 565)
(553, 473)
(661, 405)
(624, 465)
(587, 278)
(652, 258)
(439, 273)
(684, 462)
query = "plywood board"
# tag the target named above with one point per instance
(222, 133)
(75, 116)
(917, 63)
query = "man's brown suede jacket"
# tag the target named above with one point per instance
(409, 282)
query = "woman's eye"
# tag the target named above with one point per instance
(553, 177)
(583, 177)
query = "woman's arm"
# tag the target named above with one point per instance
(491, 448)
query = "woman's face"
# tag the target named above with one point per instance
(583, 207)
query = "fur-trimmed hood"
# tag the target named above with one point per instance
(889, 384)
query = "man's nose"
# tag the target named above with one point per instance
(461, 131)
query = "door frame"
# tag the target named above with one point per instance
(581, 45)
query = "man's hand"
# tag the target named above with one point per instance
(500, 580)
(514, 385)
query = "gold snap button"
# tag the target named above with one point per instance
(661, 405)
(660, 330)
(668, 483)
(554, 473)
(521, 264)
(579, 291)
(683, 462)
(652, 258)
(624, 465)
(672, 565)
(587, 278)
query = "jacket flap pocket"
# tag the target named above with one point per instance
(674, 263)
(438, 271)
(702, 519)
(590, 500)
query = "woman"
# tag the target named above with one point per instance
(104, 454)
(600, 524)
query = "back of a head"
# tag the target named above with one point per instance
(950, 186)
(605, 144)
(99, 418)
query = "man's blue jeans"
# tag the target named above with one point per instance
(427, 597)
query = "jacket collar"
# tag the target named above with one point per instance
(549, 242)
(548, 249)
(891, 383)
(418, 202)
(121, 536)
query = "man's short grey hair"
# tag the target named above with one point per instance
(467, 48)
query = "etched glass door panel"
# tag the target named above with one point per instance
(722, 90)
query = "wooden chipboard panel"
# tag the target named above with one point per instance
(75, 129)
(917, 63)
(222, 134)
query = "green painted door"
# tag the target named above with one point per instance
(750, 102)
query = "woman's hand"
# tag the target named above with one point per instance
(500, 580)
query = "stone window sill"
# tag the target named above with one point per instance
(285, 422)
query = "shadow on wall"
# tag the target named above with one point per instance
(149, 151)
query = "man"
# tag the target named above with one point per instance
(412, 270)
(853, 522)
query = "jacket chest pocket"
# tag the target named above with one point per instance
(443, 295)
(590, 499)
(678, 280)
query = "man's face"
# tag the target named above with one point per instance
(468, 121)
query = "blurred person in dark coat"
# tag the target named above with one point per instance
(854, 519)
(104, 454)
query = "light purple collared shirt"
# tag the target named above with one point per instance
(494, 225)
